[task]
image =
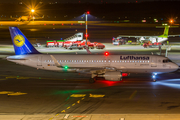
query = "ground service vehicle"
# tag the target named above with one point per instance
(151, 45)
(99, 46)
(75, 46)
(37, 45)
(119, 41)
(54, 43)
(91, 46)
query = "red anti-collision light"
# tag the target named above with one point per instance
(106, 53)
(88, 12)
(125, 74)
(86, 35)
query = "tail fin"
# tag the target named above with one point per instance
(166, 30)
(21, 44)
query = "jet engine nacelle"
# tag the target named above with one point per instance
(113, 76)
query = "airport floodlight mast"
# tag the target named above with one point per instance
(86, 13)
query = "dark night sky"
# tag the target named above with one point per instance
(82, 1)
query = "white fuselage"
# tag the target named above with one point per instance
(153, 39)
(123, 63)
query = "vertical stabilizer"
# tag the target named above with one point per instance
(22, 46)
(165, 34)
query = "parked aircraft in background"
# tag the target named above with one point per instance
(28, 18)
(152, 39)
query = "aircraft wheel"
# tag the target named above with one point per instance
(91, 80)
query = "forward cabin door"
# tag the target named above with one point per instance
(39, 61)
(153, 61)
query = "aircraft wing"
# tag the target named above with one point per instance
(134, 36)
(173, 35)
(56, 62)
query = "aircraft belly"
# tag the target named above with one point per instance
(151, 70)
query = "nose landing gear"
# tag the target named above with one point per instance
(154, 77)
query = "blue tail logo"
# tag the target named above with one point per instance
(19, 40)
(22, 46)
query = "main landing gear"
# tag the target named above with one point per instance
(93, 78)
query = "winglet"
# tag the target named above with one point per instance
(56, 62)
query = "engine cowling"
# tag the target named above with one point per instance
(113, 76)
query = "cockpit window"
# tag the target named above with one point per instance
(166, 61)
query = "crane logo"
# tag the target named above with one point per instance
(19, 40)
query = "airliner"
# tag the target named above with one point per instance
(27, 18)
(110, 67)
(153, 39)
